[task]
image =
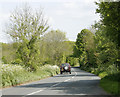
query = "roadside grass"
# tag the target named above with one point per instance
(111, 83)
(13, 75)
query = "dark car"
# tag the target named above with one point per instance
(65, 67)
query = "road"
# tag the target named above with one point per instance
(77, 83)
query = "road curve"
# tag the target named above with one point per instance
(77, 83)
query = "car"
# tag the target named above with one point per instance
(65, 67)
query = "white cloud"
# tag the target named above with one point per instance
(60, 12)
(70, 5)
(20, 1)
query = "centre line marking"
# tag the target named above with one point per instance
(35, 92)
(66, 80)
(50, 86)
(55, 84)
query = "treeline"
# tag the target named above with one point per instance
(52, 48)
(33, 45)
(98, 49)
(96, 52)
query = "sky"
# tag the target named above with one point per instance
(70, 16)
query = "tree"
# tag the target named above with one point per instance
(84, 42)
(79, 46)
(25, 27)
(105, 49)
(84, 46)
(55, 46)
(110, 13)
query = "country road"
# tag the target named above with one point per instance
(77, 83)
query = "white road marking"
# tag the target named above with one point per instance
(75, 73)
(50, 86)
(35, 92)
(66, 80)
(80, 94)
(56, 84)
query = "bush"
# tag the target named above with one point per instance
(17, 61)
(16, 74)
(4, 60)
(103, 74)
(112, 69)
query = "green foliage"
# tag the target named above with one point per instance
(14, 74)
(54, 47)
(25, 27)
(109, 12)
(103, 74)
(79, 46)
(4, 60)
(31, 47)
(99, 53)
(84, 46)
(9, 52)
(73, 61)
(110, 83)
(16, 61)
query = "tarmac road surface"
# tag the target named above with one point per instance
(77, 83)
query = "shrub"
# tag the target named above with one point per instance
(16, 74)
(4, 60)
(103, 74)
(17, 61)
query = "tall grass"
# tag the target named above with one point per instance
(15, 74)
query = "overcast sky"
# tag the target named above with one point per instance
(70, 16)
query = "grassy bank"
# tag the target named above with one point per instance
(111, 83)
(14, 74)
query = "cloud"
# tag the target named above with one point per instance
(70, 5)
(34, 0)
(60, 12)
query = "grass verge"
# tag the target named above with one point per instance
(13, 75)
(111, 83)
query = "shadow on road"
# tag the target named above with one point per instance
(75, 86)
(70, 87)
